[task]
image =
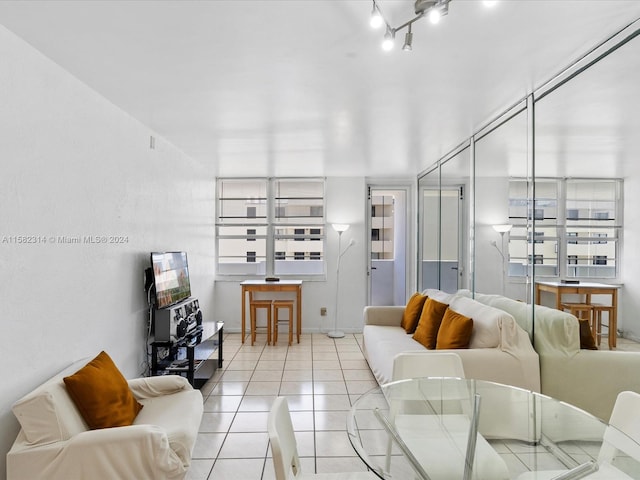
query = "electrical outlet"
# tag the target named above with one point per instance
(323, 311)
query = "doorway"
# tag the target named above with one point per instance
(388, 227)
(441, 251)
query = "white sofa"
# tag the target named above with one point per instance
(56, 443)
(500, 350)
(555, 365)
(589, 379)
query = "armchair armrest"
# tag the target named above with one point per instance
(149, 387)
(136, 451)
(383, 315)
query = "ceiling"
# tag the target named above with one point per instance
(302, 87)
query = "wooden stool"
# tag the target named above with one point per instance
(612, 328)
(582, 311)
(277, 306)
(254, 305)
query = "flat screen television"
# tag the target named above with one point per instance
(170, 277)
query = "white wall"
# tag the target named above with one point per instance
(73, 164)
(345, 203)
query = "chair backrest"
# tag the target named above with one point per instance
(427, 364)
(625, 419)
(283, 441)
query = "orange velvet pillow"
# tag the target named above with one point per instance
(429, 324)
(102, 394)
(586, 337)
(412, 311)
(455, 331)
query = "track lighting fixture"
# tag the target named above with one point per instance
(433, 9)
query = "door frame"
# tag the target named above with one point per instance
(409, 189)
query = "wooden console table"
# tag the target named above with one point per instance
(252, 286)
(587, 289)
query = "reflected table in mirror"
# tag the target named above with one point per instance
(453, 428)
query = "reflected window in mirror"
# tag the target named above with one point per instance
(576, 230)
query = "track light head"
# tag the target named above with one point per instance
(376, 20)
(389, 40)
(408, 40)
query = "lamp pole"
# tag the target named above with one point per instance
(340, 228)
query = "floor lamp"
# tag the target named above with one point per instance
(340, 228)
(502, 229)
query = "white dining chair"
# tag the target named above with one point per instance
(427, 364)
(620, 448)
(285, 451)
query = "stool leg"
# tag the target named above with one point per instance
(275, 325)
(253, 325)
(269, 326)
(290, 325)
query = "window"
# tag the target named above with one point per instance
(599, 259)
(574, 225)
(273, 214)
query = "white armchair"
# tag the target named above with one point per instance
(55, 442)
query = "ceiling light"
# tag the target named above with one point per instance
(434, 9)
(376, 20)
(408, 39)
(388, 42)
(490, 3)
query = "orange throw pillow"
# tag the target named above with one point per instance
(429, 324)
(412, 312)
(455, 331)
(102, 394)
(586, 337)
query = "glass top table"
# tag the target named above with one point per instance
(453, 428)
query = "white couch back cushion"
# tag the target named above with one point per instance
(487, 321)
(48, 414)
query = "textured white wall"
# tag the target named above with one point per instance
(75, 165)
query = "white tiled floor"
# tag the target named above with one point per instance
(320, 376)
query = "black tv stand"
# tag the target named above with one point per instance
(191, 355)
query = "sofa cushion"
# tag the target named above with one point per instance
(439, 295)
(427, 331)
(412, 312)
(486, 321)
(179, 415)
(102, 394)
(47, 414)
(455, 330)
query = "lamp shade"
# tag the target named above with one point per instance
(340, 227)
(502, 228)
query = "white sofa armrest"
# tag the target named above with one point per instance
(383, 315)
(136, 451)
(586, 380)
(149, 387)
